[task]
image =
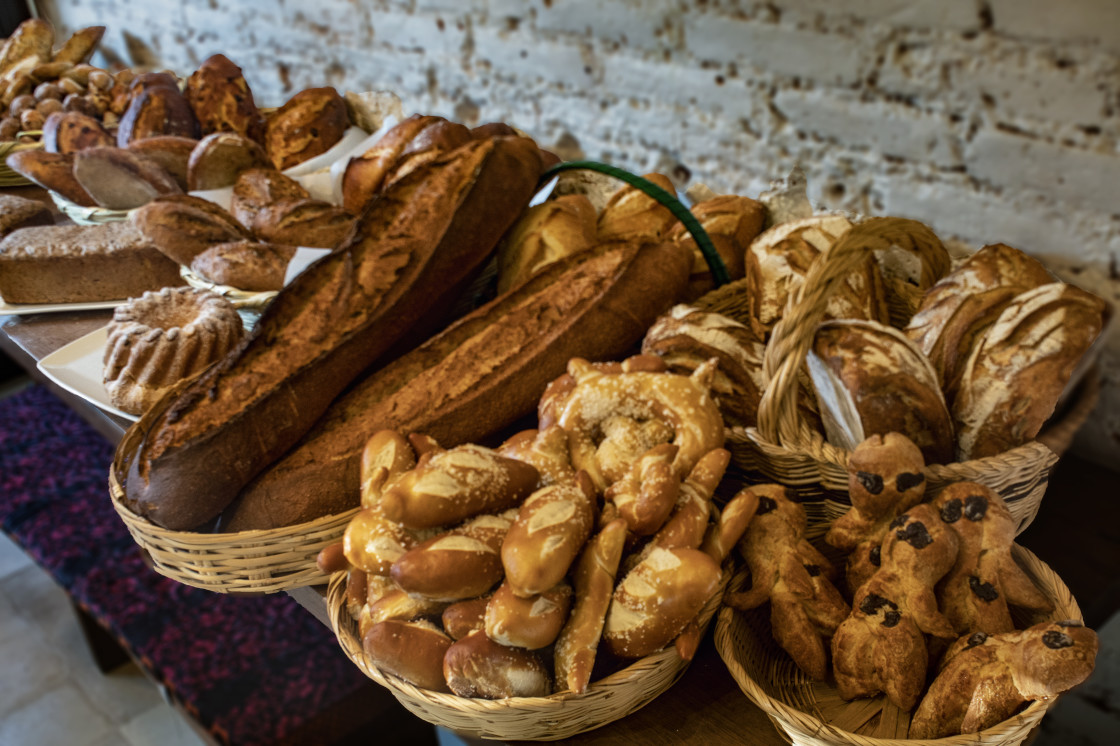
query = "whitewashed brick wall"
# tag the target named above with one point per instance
(991, 120)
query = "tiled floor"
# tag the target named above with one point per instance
(51, 691)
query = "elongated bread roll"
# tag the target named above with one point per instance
(476, 666)
(460, 564)
(412, 650)
(532, 622)
(593, 581)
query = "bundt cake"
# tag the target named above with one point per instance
(162, 337)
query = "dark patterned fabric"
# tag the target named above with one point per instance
(254, 670)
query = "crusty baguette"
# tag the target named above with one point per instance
(478, 376)
(430, 231)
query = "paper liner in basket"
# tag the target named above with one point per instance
(549, 718)
(812, 713)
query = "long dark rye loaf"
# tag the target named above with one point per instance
(479, 375)
(202, 444)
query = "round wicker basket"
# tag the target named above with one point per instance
(813, 714)
(785, 449)
(252, 562)
(524, 718)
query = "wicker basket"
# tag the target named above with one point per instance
(87, 215)
(524, 718)
(8, 177)
(253, 562)
(784, 449)
(812, 713)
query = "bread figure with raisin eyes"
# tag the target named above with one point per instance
(984, 679)
(881, 646)
(885, 479)
(985, 579)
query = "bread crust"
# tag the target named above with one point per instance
(482, 373)
(334, 320)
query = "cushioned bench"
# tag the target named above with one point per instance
(248, 670)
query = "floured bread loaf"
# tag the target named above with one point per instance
(1014, 378)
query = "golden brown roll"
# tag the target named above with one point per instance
(308, 124)
(543, 234)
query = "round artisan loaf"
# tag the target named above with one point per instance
(303, 222)
(871, 380)
(1014, 378)
(245, 265)
(257, 188)
(182, 226)
(220, 157)
(959, 308)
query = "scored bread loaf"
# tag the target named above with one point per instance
(221, 99)
(120, 179)
(220, 157)
(481, 374)
(20, 212)
(257, 188)
(307, 125)
(183, 226)
(52, 171)
(1015, 376)
(245, 265)
(872, 380)
(432, 230)
(955, 312)
(545, 233)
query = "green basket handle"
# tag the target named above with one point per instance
(674, 205)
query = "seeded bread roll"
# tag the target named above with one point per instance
(1013, 379)
(872, 380)
(955, 312)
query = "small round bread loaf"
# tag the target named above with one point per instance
(162, 337)
(245, 265)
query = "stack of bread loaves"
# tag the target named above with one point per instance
(562, 554)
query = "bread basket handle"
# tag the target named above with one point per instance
(674, 205)
(778, 419)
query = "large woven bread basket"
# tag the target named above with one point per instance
(9, 177)
(253, 562)
(784, 449)
(524, 718)
(811, 713)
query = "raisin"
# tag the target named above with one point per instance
(891, 619)
(1057, 640)
(915, 534)
(976, 638)
(813, 570)
(908, 480)
(876, 556)
(975, 508)
(873, 483)
(900, 521)
(951, 511)
(872, 602)
(983, 591)
(765, 505)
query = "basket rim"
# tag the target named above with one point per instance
(553, 709)
(782, 714)
(232, 562)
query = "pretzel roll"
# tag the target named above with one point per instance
(463, 617)
(551, 528)
(532, 622)
(688, 523)
(388, 450)
(593, 582)
(459, 564)
(657, 599)
(546, 450)
(413, 651)
(646, 495)
(476, 666)
(682, 402)
(450, 485)
(732, 523)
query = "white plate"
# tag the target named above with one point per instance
(15, 309)
(77, 368)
